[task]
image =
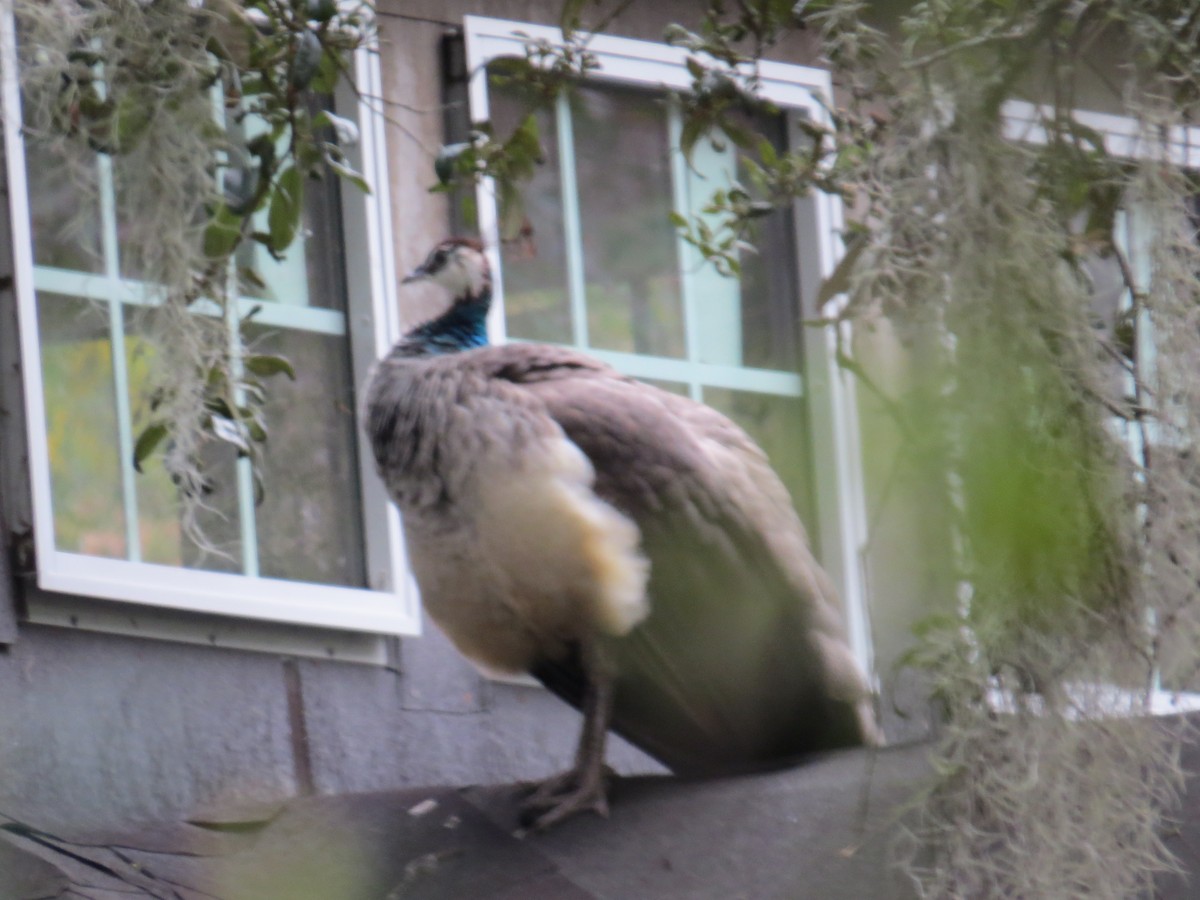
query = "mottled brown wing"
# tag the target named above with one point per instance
(742, 661)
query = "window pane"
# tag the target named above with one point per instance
(323, 244)
(623, 167)
(81, 426)
(1108, 304)
(310, 522)
(674, 387)
(778, 425)
(66, 233)
(536, 304)
(158, 507)
(160, 527)
(311, 272)
(770, 305)
(219, 518)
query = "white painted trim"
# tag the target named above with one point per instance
(189, 627)
(1123, 135)
(626, 59)
(847, 454)
(392, 609)
(137, 293)
(222, 593)
(486, 207)
(838, 479)
(387, 558)
(18, 210)
(1101, 701)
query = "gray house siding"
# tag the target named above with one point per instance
(12, 459)
(105, 728)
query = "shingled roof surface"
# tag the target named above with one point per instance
(816, 831)
(813, 831)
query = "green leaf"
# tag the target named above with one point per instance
(838, 281)
(264, 148)
(767, 153)
(511, 69)
(131, 118)
(220, 406)
(693, 129)
(524, 148)
(85, 56)
(739, 135)
(252, 280)
(147, 442)
(346, 130)
(307, 59)
(349, 174)
(320, 10)
(240, 187)
(569, 20)
(254, 392)
(256, 430)
(283, 218)
(759, 208)
(307, 155)
(264, 366)
(220, 241)
(328, 72)
(512, 210)
(448, 160)
(223, 233)
(230, 431)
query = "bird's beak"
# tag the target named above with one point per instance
(417, 274)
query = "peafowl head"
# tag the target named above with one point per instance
(460, 266)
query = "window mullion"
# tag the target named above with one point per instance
(120, 369)
(243, 467)
(688, 260)
(572, 223)
(247, 524)
(1133, 232)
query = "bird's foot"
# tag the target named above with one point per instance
(563, 795)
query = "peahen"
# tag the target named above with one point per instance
(630, 548)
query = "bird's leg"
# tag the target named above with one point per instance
(585, 785)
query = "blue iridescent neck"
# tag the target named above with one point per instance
(462, 327)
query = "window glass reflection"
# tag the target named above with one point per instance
(81, 426)
(309, 526)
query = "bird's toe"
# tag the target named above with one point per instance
(544, 794)
(585, 798)
(580, 789)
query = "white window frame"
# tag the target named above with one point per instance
(389, 606)
(1023, 122)
(802, 92)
